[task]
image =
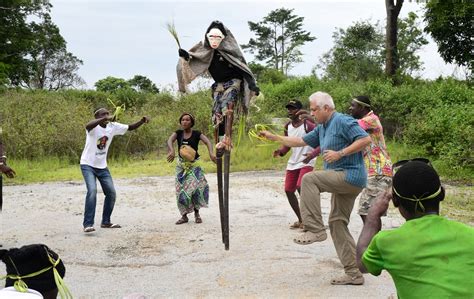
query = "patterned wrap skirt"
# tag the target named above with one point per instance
(192, 189)
(223, 94)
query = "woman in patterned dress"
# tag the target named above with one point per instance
(192, 189)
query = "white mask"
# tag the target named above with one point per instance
(215, 37)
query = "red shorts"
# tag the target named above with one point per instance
(293, 178)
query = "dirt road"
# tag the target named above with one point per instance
(153, 256)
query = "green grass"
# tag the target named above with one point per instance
(247, 157)
(458, 204)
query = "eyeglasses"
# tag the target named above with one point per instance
(396, 166)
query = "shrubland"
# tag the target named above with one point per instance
(428, 118)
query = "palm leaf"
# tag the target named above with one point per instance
(172, 30)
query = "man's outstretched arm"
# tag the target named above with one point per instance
(138, 124)
(290, 141)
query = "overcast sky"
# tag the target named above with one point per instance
(123, 38)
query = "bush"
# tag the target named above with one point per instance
(436, 115)
(446, 132)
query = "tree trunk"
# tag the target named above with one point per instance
(275, 47)
(391, 55)
(283, 48)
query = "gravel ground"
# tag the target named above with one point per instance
(153, 256)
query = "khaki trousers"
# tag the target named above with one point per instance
(342, 202)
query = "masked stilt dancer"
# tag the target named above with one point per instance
(220, 56)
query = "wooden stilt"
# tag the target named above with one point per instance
(226, 198)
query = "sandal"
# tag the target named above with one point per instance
(310, 237)
(347, 279)
(110, 225)
(182, 220)
(296, 225)
(89, 229)
(198, 219)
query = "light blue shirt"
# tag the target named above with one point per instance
(339, 132)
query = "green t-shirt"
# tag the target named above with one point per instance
(426, 257)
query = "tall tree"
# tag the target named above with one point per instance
(16, 37)
(279, 37)
(32, 50)
(391, 30)
(451, 25)
(359, 51)
(143, 84)
(61, 71)
(410, 40)
(356, 54)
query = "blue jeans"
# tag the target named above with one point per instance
(105, 179)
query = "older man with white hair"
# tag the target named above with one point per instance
(341, 140)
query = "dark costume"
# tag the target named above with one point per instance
(221, 57)
(226, 65)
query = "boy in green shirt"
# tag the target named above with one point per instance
(428, 256)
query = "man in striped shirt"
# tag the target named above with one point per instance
(341, 140)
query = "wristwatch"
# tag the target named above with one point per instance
(341, 153)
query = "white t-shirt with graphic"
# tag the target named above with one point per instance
(98, 142)
(297, 157)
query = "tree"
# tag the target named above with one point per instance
(32, 51)
(279, 38)
(61, 71)
(265, 74)
(143, 84)
(391, 31)
(451, 25)
(410, 41)
(112, 84)
(359, 51)
(137, 84)
(356, 54)
(16, 37)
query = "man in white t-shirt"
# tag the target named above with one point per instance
(302, 158)
(99, 135)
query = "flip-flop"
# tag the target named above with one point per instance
(110, 225)
(310, 237)
(89, 229)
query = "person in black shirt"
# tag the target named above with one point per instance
(221, 57)
(192, 189)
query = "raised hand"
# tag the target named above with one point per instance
(183, 53)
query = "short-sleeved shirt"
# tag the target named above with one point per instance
(427, 257)
(192, 141)
(298, 154)
(339, 132)
(98, 142)
(376, 157)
